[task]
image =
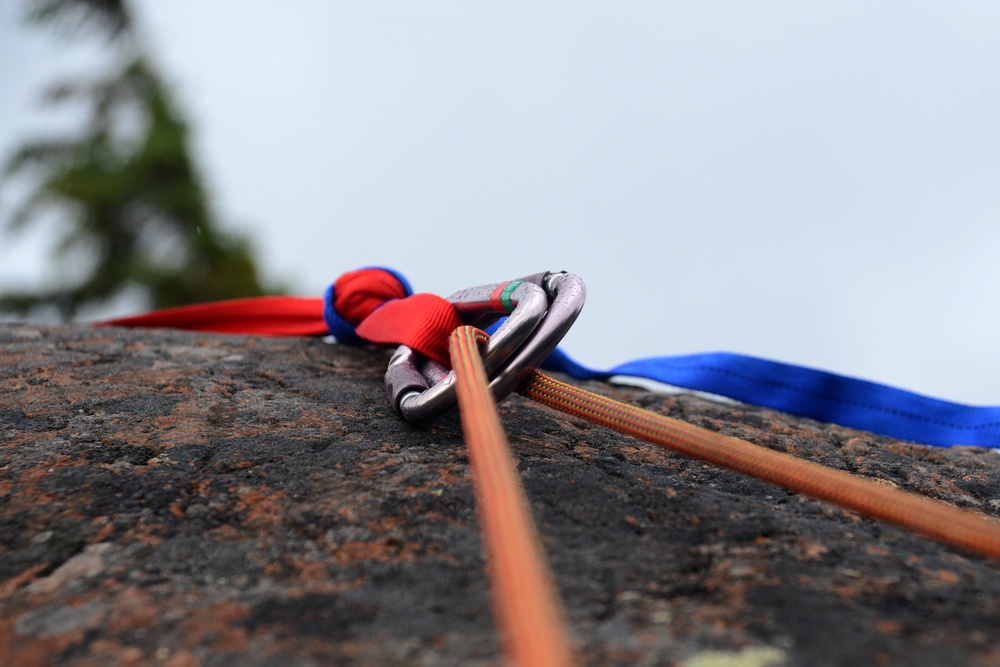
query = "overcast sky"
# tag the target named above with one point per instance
(817, 183)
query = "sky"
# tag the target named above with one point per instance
(816, 183)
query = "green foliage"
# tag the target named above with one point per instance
(110, 15)
(126, 191)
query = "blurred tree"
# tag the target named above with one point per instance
(128, 194)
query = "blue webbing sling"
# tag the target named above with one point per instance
(812, 393)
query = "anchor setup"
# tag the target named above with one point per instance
(444, 359)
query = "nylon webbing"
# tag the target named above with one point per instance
(261, 316)
(373, 305)
(813, 393)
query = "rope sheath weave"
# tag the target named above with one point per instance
(954, 526)
(525, 602)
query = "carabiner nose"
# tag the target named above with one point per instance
(541, 309)
(567, 294)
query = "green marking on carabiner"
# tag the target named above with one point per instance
(505, 301)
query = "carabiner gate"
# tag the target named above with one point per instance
(540, 310)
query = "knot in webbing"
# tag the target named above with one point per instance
(377, 305)
(355, 294)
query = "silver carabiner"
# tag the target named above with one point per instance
(540, 308)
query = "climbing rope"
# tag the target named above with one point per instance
(525, 601)
(960, 528)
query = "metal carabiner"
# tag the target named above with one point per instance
(540, 308)
(420, 388)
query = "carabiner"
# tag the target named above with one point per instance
(541, 308)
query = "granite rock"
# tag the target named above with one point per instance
(179, 499)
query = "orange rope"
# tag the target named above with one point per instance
(524, 597)
(960, 528)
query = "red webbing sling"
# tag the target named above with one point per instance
(370, 303)
(261, 316)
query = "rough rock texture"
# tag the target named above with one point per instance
(182, 499)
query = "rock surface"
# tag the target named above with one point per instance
(182, 499)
